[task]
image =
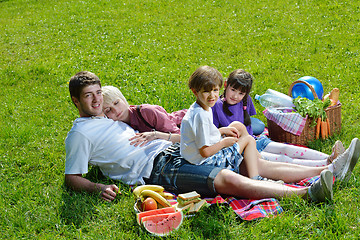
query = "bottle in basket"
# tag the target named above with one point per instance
(272, 98)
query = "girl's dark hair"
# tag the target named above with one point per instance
(240, 80)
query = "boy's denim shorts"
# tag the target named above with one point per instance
(262, 142)
(229, 158)
(177, 175)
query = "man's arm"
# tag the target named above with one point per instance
(78, 183)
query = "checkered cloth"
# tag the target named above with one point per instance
(289, 121)
(247, 209)
(250, 209)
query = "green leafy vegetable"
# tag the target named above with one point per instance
(313, 109)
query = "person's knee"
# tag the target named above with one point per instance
(239, 126)
(226, 178)
(246, 141)
(250, 140)
(231, 183)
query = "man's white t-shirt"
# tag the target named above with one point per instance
(197, 130)
(105, 143)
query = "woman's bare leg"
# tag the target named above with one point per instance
(230, 183)
(287, 172)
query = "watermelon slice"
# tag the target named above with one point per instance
(162, 224)
(155, 218)
(140, 215)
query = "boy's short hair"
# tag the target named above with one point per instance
(81, 80)
(206, 78)
(111, 93)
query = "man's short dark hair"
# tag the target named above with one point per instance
(81, 80)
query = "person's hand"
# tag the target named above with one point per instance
(229, 141)
(230, 132)
(108, 192)
(142, 138)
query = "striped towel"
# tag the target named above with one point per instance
(289, 121)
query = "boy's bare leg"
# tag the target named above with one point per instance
(248, 144)
(240, 127)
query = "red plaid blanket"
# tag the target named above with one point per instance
(248, 209)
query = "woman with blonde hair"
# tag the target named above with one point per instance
(152, 121)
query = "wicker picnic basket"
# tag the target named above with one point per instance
(276, 133)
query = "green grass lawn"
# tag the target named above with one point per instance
(149, 49)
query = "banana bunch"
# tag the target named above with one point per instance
(154, 191)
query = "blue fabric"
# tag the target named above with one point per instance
(262, 142)
(257, 126)
(228, 158)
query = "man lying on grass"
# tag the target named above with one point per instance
(97, 140)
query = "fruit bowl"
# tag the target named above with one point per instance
(158, 222)
(137, 206)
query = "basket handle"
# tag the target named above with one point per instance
(306, 83)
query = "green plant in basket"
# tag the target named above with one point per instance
(314, 109)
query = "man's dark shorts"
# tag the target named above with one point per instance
(177, 175)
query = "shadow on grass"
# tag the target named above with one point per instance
(79, 207)
(214, 222)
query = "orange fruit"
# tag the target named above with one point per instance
(149, 204)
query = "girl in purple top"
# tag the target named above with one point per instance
(152, 121)
(226, 113)
(236, 105)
